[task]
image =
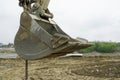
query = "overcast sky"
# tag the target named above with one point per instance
(90, 19)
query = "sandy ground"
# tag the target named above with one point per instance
(71, 68)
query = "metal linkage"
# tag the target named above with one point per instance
(26, 69)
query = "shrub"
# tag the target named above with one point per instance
(102, 47)
(105, 47)
(118, 47)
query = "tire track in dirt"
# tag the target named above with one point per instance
(80, 68)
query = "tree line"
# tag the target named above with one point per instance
(102, 47)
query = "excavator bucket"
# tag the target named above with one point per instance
(38, 38)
